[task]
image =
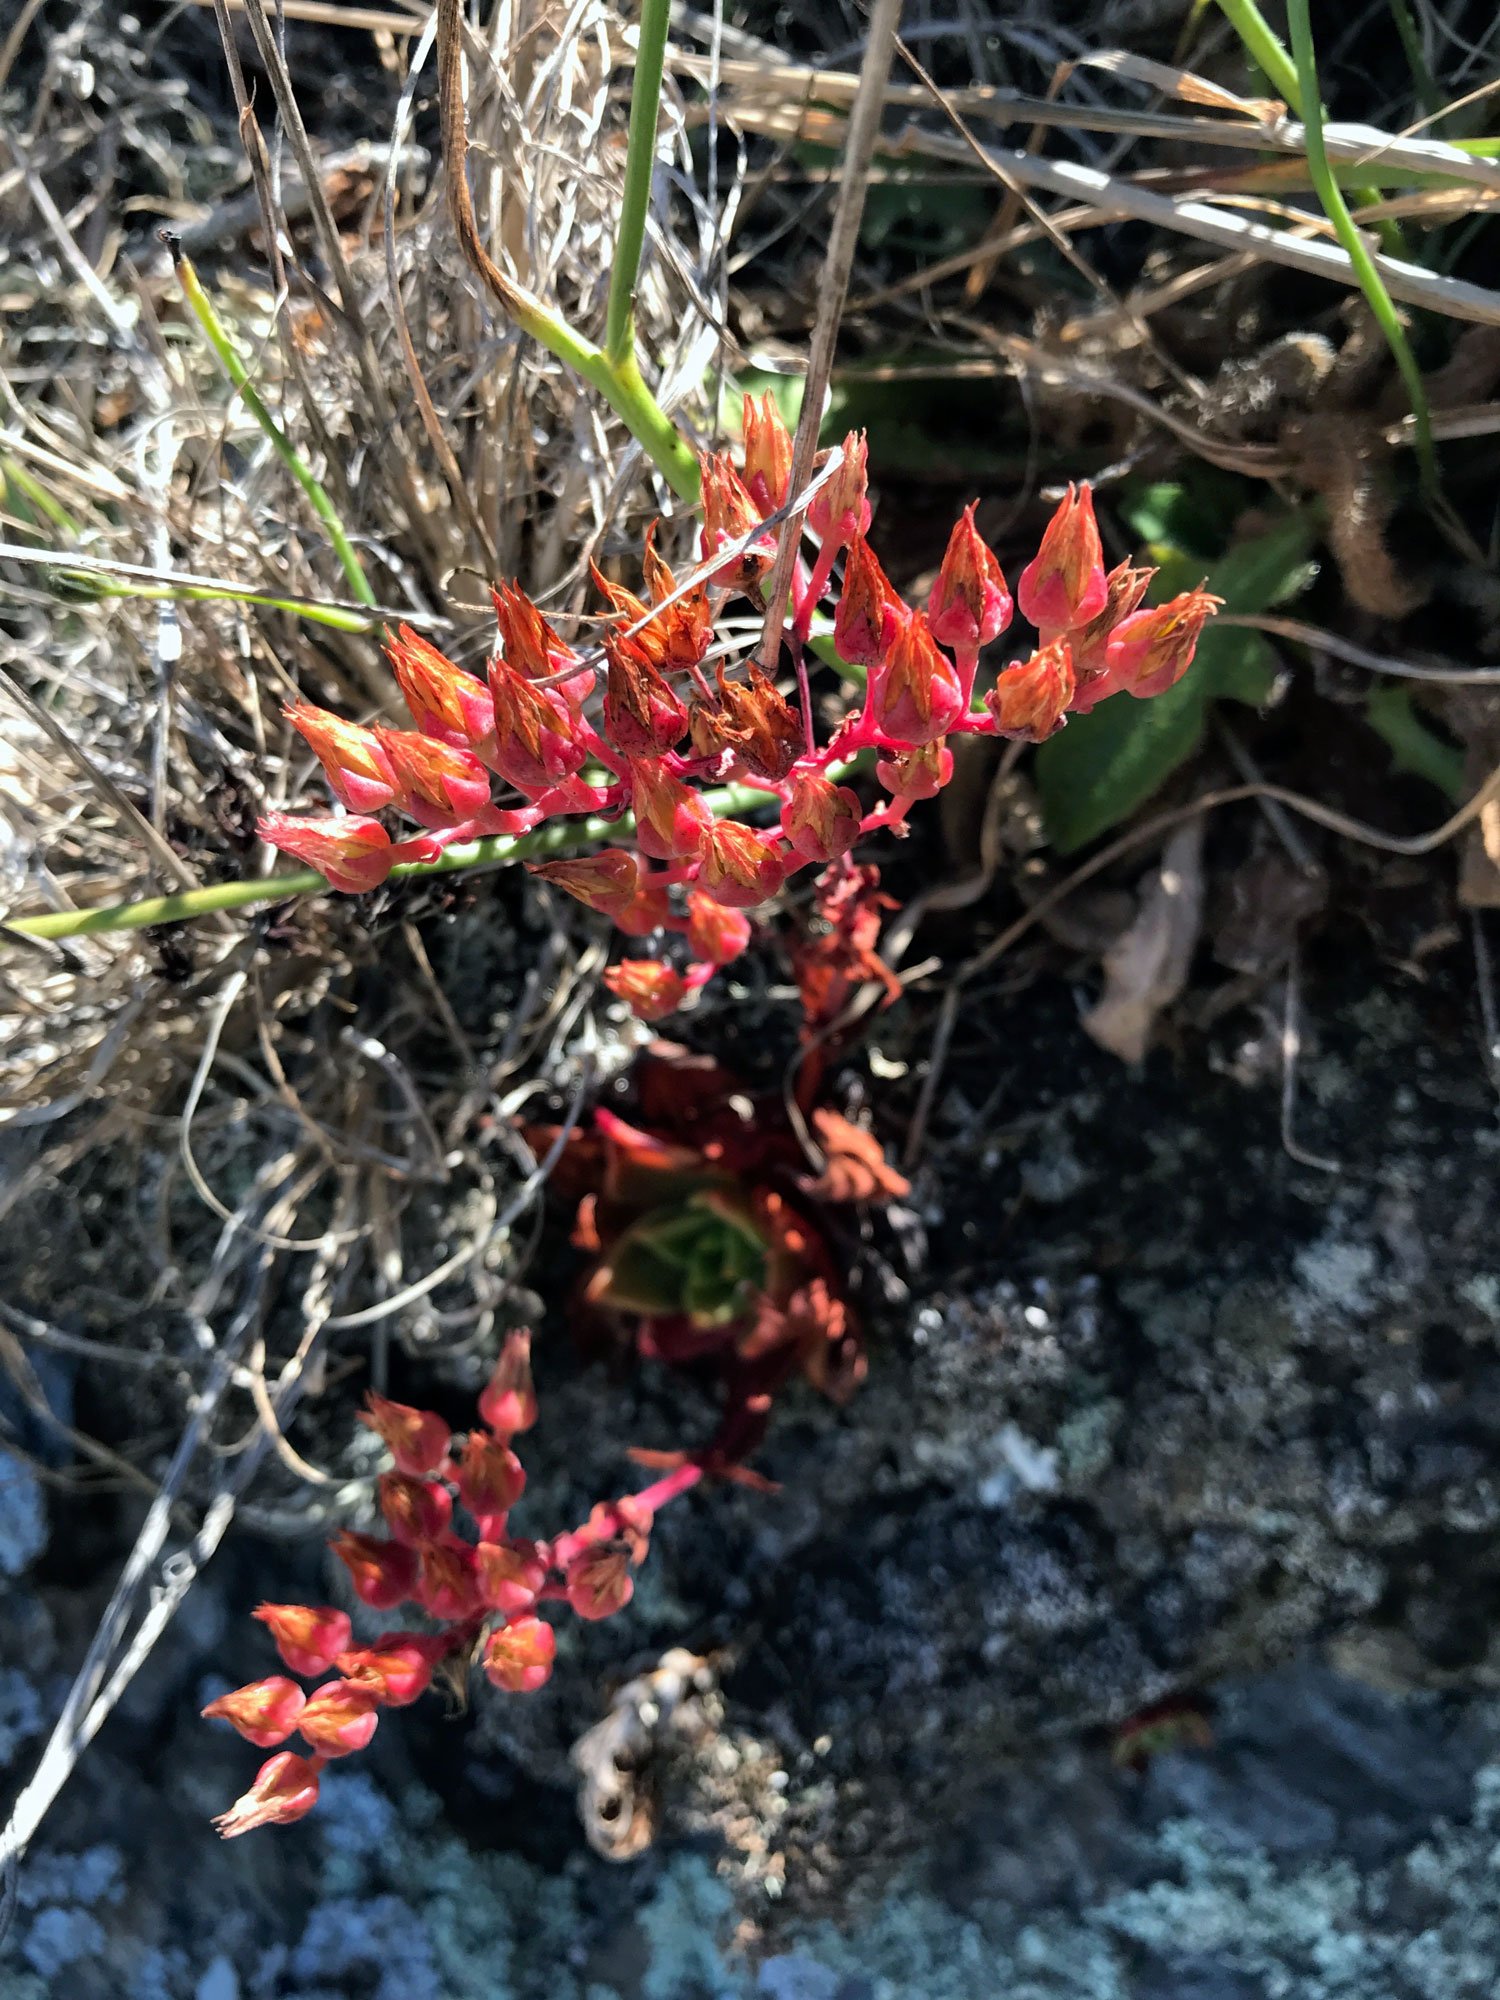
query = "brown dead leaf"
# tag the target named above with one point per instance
(1147, 966)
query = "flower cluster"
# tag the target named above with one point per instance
(481, 1593)
(660, 730)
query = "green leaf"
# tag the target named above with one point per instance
(1414, 747)
(1102, 766)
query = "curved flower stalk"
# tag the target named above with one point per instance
(646, 742)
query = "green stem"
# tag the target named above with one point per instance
(1365, 268)
(640, 158)
(471, 854)
(625, 389)
(218, 339)
(1286, 78)
(1264, 49)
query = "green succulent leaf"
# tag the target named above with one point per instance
(703, 1258)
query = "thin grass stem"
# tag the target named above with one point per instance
(218, 339)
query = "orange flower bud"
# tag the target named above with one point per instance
(740, 866)
(285, 1789)
(1029, 699)
(384, 1574)
(518, 1658)
(438, 785)
(354, 760)
(969, 604)
(820, 820)
(650, 989)
(340, 1717)
(397, 1667)
(916, 774)
(355, 854)
(1124, 589)
(490, 1480)
(916, 695)
(445, 702)
(729, 514)
(642, 716)
(669, 819)
(265, 1713)
(510, 1575)
(308, 1638)
(538, 742)
(608, 881)
(418, 1440)
(753, 719)
(531, 648)
(448, 1583)
(768, 453)
(415, 1510)
(599, 1582)
(1150, 651)
(508, 1402)
(840, 510)
(1064, 584)
(715, 934)
(870, 612)
(681, 633)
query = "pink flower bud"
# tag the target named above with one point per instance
(608, 881)
(518, 1657)
(729, 514)
(448, 1584)
(642, 716)
(669, 819)
(768, 453)
(437, 785)
(537, 737)
(599, 1582)
(355, 854)
(265, 1713)
(870, 611)
(510, 1575)
(969, 605)
(285, 1789)
(740, 866)
(508, 1402)
(354, 762)
(531, 646)
(916, 774)
(384, 1574)
(840, 510)
(490, 1480)
(916, 695)
(715, 934)
(309, 1638)
(820, 820)
(1064, 585)
(650, 911)
(418, 1440)
(445, 702)
(1125, 587)
(397, 1667)
(1150, 651)
(415, 1510)
(340, 1717)
(1029, 699)
(651, 990)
